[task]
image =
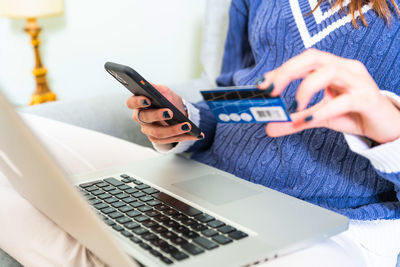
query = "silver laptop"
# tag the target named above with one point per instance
(167, 211)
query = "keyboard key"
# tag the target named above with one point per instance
(160, 207)
(124, 187)
(108, 210)
(179, 256)
(109, 222)
(188, 222)
(110, 200)
(126, 180)
(180, 217)
(153, 202)
(182, 229)
(94, 201)
(144, 208)
(124, 175)
(149, 223)
(113, 181)
(226, 229)
(91, 188)
(162, 218)
(131, 191)
(178, 240)
(149, 236)
(170, 212)
(192, 249)
(136, 239)
(118, 227)
(126, 233)
(123, 220)
(177, 204)
(97, 192)
(237, 235)
(131, 225)
(146, 198)
(138, 194)
(121, 196)
(115, 192)
(191, 234)
(159, 229)
(141, 186)
(104, 196)
(204, 218)
(198, 227)
(118, 204)
(155, 253)
(102, 184)
(133, 213)
(169, 235)
(90, 198)
(209, 232)
(159, 243)
(152, 213)
(101, 206)
(85, 185)
(205, 243)
(169, 249)
(115, 215)
(137, 182)
(108, 188)
(136, 204)
(145, 246)
(140, 231)
(125, 209)
(221, 239)
(150, 190)
(129, 200)
(166, 260)
(171, 224)
(141, 218)
(215, 224)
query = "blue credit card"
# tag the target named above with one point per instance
(245, 104)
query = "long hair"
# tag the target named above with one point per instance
(381, 7)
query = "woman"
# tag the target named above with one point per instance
(351, 88)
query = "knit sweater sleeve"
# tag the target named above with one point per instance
(385, 158)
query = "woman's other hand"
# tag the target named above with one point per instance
(153, 121)
(352, 101)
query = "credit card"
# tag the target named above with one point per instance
(245, 104)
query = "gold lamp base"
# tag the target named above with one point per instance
(42, 93)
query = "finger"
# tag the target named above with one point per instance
(162, 132)
(174, 139)
(296, 68)
(332, 75)
(135, 102)
(152, 115)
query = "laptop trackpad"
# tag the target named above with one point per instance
(216, 188)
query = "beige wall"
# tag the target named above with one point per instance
(159, 38)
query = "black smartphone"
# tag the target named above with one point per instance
(137, 85)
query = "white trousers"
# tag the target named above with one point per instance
(34, 240)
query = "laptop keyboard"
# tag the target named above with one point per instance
(166, 227)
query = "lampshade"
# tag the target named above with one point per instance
(21, 9)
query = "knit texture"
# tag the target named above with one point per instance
(314, 165)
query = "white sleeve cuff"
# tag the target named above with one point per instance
(194, 116)
(385, 157)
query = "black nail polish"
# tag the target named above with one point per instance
(270, 89)
(185, 127)
(200, 137)
(145, 103)
(309, 118)
(293, 107)
(166, 115)
(260, 80)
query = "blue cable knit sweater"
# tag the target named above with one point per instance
(314, 165)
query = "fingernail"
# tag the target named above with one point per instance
(309, 118)
(260, 80)
(270, 89)
(145, 103)
(185, 127)
(200, 137)
(166, 115)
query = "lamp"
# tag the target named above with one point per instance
(31, 10)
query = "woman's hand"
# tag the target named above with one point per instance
(153, 121)
(352, 101)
